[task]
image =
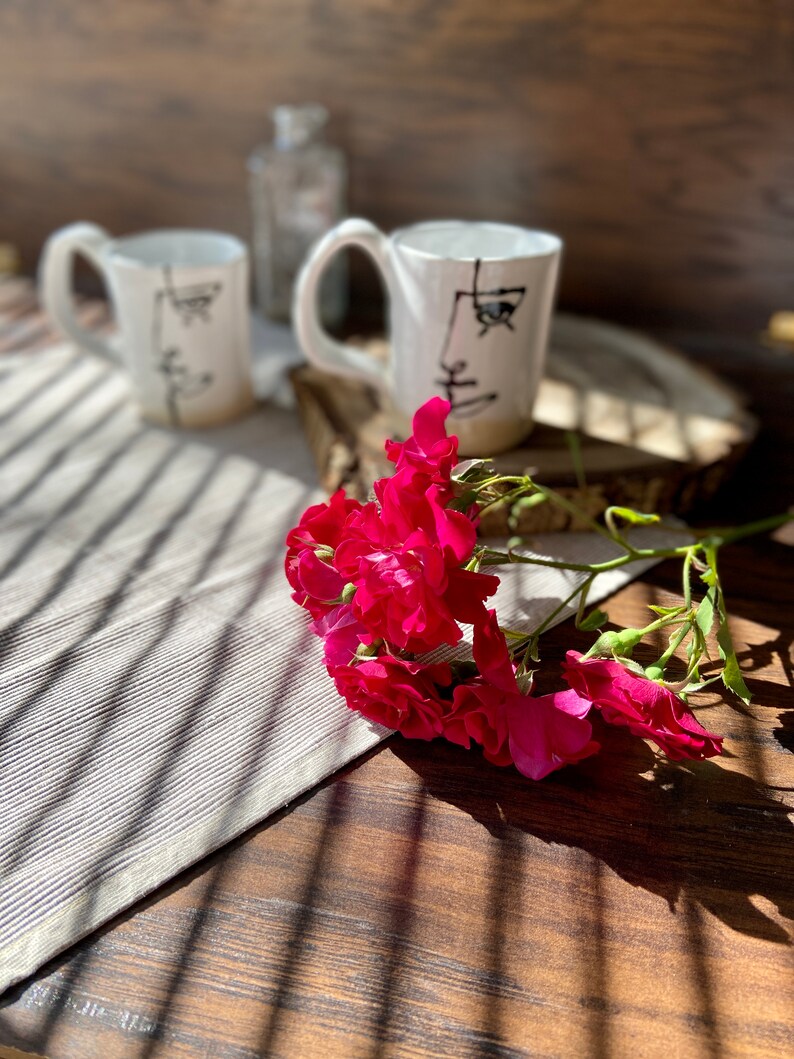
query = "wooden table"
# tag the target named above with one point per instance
(425, 903)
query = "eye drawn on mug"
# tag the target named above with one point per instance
(491, 308)
(192, 301)
(187, 303)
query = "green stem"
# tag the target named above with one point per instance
(550, 617)
(586, 585)
(491, 557)
(685, 576)
(675, 643)
(664, 623)
(498, 479)
(512, 494)
(728, 534)
(576, 512)
(575, 449)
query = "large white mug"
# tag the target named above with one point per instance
(469, 309)
(181, 300)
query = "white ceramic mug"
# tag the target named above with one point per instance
(181, 300)
(469, 313)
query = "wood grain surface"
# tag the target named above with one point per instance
(424, 903)
(655, 137)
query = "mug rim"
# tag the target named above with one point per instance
(120, 251)
(554, 243)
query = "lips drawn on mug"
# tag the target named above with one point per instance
(186, 304)
(491, 309)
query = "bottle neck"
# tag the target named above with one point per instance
(298, 126)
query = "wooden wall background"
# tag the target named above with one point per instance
(657, 136)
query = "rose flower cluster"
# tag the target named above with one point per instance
(388, 581)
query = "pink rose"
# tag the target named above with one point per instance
(647, 709)
(405, 563)
(403, 556)
(425, 460)
(310, 547)
(538, 734)
(341, 633)
(428, 451)
(395, 693)
(478, 712)
(549, 731)
(404, 509)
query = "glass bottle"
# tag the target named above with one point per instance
(298, 189)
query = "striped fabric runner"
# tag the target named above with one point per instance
(158, 690)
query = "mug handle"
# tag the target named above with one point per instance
(55, 281)
(322, 350)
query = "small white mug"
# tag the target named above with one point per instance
(181, 300)
(469, 311)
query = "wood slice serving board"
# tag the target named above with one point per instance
(656, 433)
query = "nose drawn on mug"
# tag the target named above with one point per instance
(490, 309)
(182, 305)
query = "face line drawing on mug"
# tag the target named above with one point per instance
(179, 383)
(180, 299)
(468, 311)
(491, 314)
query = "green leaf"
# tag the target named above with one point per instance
(704, 617)
(594, 620)
(631, 517)
(532, 500)
(709, 577)
(472, 471)
(731, 673)
(464, 669)
(464, 502)
(666, 612)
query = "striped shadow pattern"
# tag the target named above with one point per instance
(159, 690)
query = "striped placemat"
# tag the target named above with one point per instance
(155, 694)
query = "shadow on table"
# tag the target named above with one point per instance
(700, 836)
(696, 830)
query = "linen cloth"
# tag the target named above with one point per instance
(159, 691)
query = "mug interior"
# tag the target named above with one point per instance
(472, 240)
(177, 247)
